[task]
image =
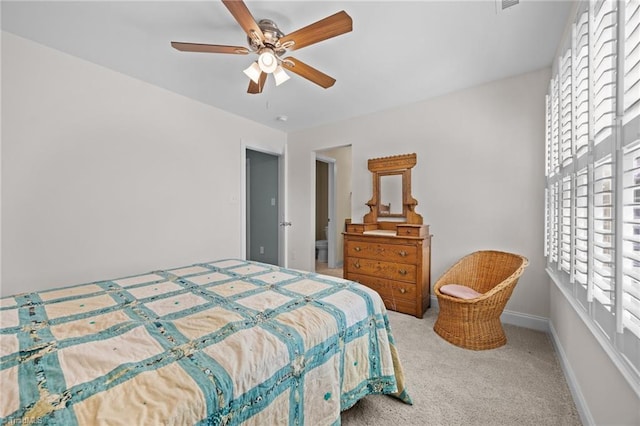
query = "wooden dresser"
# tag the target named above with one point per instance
(392, 259)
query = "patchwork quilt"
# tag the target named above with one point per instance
(222, 343)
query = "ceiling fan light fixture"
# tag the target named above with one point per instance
(280, 76)
(267, 61)
(270, 44)
(253, 72)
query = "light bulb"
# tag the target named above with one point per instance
(267, 62)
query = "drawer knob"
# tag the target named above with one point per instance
(402, 253)
(357, 265)
(357, 248)
(403, 291)
(403, 272)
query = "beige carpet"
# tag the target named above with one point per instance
(323, 268)
(519, 384)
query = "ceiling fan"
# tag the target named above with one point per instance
(271, 44)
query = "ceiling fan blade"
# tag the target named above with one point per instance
(303, 70)
(324, 29)
(241, 13)
(255, 88)
(209, 48)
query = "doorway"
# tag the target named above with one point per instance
(333, 203)
(263, 239)
(325, 211)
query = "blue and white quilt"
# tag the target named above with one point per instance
(222, 343)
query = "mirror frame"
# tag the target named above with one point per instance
(394, 165)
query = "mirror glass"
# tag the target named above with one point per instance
(390, 195)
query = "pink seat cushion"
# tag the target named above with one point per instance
(459, 291)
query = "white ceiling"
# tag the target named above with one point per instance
(398, 52)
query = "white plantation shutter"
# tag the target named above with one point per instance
(580, 77)
(628, 324)
(547, 157)
(553, 223)
(581, 233)
(566, 109)
(604, 67)
(592, 195)
(632, 59)
(555, 126)
(565, 225)
(603, 285)
(546, 222)
(631, 241)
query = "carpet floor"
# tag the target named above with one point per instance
(520, 383)
(323, 268)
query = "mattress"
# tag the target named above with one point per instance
(226, 342)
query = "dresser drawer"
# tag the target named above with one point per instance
(359, 228)
(387, 289)
(381, 251)
(412, 230)
(401, 305)
(380, 269)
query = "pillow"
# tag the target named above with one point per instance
(459, 291)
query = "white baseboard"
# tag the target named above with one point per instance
(576, 393)
(543, 324)
(514, 318)
(533, 322)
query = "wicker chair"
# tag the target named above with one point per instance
(475, 323)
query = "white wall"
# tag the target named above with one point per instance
(104, 175)
(600, 391)
(479, 179)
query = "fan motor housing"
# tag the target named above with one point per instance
(271, 36)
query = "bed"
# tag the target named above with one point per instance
(227, 342)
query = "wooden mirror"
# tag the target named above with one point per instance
(392, 198)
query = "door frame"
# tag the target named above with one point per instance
(245, 210)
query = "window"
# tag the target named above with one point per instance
(602, 247)
(592, 195)
(580, 80)
(555, 123)
(580, 225)
(553, 224)
(566, 109)
(630, 305)
(632, 59)
(565, 226)
(604, 72)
